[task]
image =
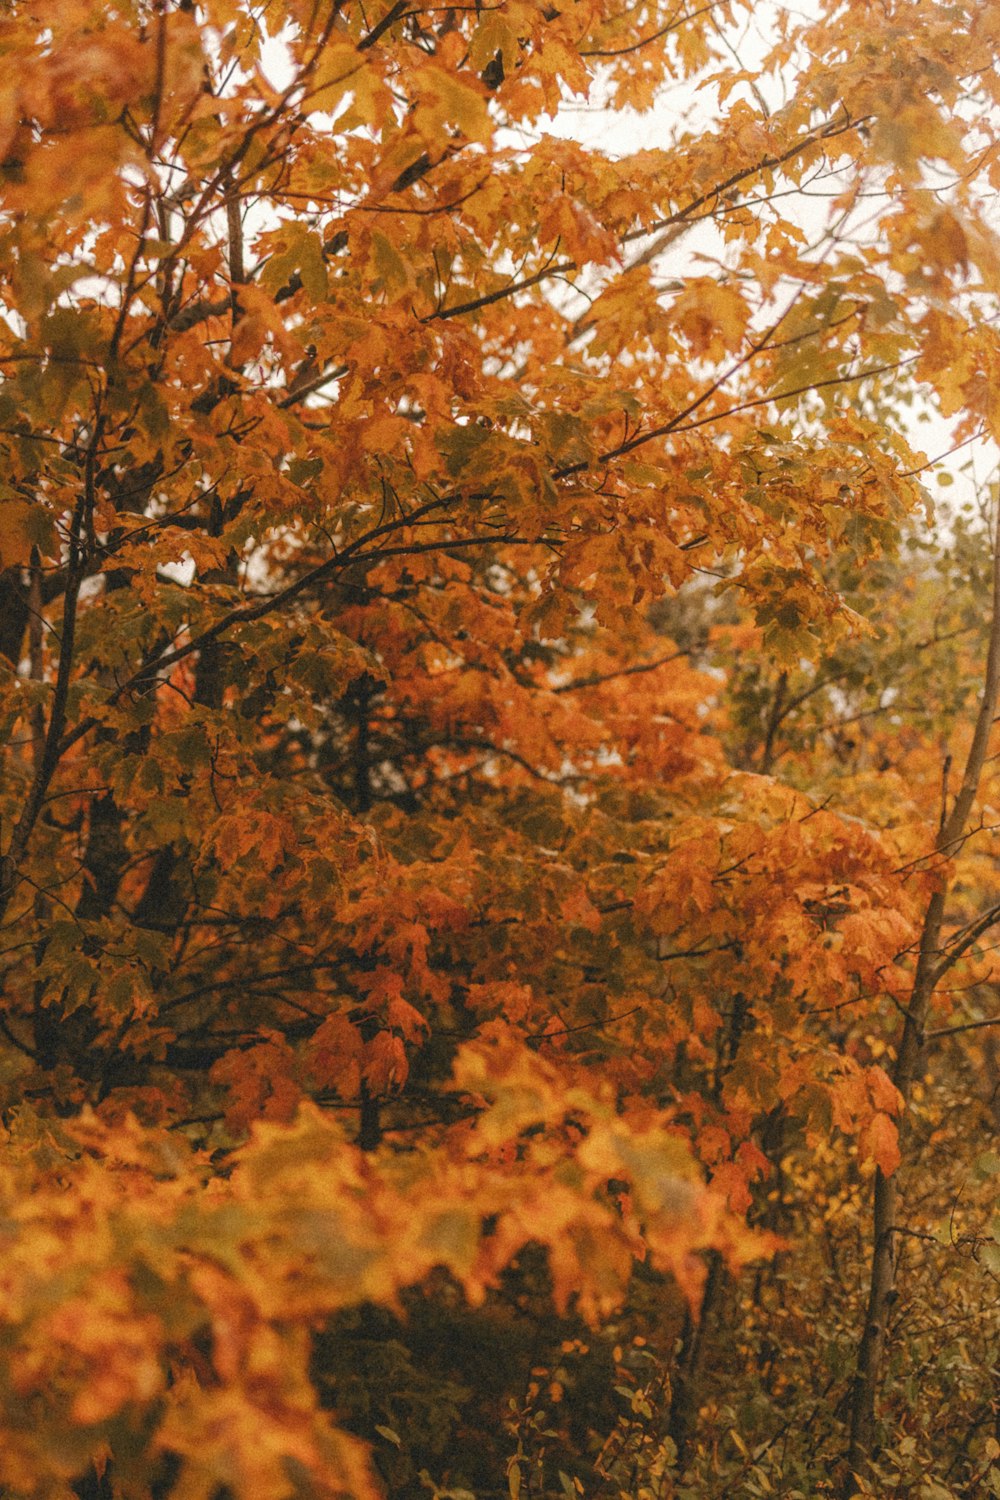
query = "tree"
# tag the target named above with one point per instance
(425, 893)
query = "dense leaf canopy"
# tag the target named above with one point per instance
(498, 794)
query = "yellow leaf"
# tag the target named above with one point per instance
(448, 102)
(23, 526)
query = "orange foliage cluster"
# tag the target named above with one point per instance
(472, 819)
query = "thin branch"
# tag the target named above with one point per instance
(673, 24)
(826, 132)
(389, 19)
(146, 674)
(597, 678)
(966, 1026)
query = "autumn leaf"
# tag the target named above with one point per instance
(879, 1142)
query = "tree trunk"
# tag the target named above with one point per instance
(932, 964)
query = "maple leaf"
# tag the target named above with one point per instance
(259, 1083)
(333, 1056)
(878, 1141)
(384, 1063)
(403, 1017)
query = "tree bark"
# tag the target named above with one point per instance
(932, 964)
(686, 1377)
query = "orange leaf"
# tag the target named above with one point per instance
(885, 1094)
(879, 1142)
(403, 1017)
(386, 1067)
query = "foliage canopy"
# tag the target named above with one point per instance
(498, 788)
